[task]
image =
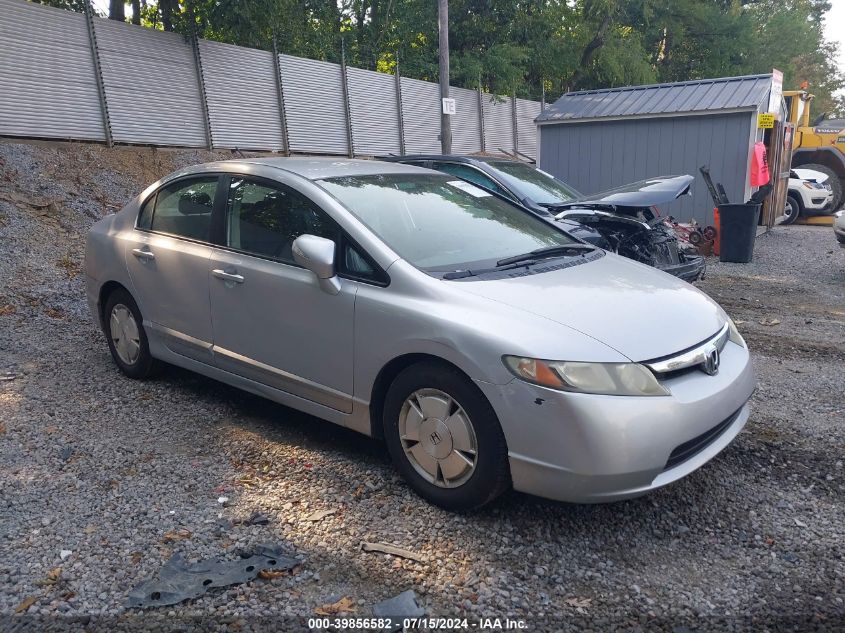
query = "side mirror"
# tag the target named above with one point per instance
(317, 255)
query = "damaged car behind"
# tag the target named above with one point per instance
(488, 356)
(624, 220)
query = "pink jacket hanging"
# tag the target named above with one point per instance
(759, 165)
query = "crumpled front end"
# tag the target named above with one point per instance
(648, 241)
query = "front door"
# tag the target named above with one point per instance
(272, 322)
(167, 256)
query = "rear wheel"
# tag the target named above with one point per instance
(832, 180)
(792, 209)
(444, 437)
(126, 336)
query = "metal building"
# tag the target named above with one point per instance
(599, 139)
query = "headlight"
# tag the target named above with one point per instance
(733, 334)
(615, 379)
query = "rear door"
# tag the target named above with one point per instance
(272, 322)
(167, 256)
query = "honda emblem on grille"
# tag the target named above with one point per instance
(711, 361)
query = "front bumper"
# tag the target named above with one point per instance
(590, 448)
(819, 203)
(692, 269)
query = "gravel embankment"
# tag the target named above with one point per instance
(103, 467)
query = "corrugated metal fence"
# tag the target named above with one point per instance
(66, 75)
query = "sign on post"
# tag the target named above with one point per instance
(776, 92)
(766, 120)
(449, 106)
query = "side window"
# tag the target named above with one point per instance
(357, 266)
(265, 220)
(145, 216)
(465, 172)
(184, 208)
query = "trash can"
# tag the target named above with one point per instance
(737, 231)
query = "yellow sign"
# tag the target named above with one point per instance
(765, 120)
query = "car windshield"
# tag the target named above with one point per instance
(439, 223)
(534, 184)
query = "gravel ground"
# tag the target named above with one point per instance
(98, 469)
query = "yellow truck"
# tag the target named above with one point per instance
(819, 144)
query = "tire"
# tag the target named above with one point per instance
(127, 339)
(832, 179)
(419, 402)
(793, 209)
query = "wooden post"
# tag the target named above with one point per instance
(445, 122)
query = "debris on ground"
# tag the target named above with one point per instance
(385, 548)
(319, 515)
(398, 608)
(178, 581)
(26, 604)
(344, 605)
(52, 578)
(578, 602)
(770, 322)
(182, 534)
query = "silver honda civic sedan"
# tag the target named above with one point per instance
(486, 346)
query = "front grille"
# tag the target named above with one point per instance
(697, 444)
(689, 359)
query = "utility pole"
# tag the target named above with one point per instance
(445, 121)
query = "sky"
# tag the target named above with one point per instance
(834, 28)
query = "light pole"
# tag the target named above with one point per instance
(445, 122)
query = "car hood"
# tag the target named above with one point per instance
(637, 310)
(643, 193)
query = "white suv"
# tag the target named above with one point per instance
(808, 192)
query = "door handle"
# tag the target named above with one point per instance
(222, 274)
(143, 255)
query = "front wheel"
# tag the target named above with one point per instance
(444, 437)
(792, 210)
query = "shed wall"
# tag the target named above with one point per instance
(601, 155)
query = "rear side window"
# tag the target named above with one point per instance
(182, 209)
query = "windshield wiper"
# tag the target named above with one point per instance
(522, 261)
(463, 274)
(549, 251)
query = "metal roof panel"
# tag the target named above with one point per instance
(687, 97)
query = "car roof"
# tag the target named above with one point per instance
(317, 168)
(455, 158)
